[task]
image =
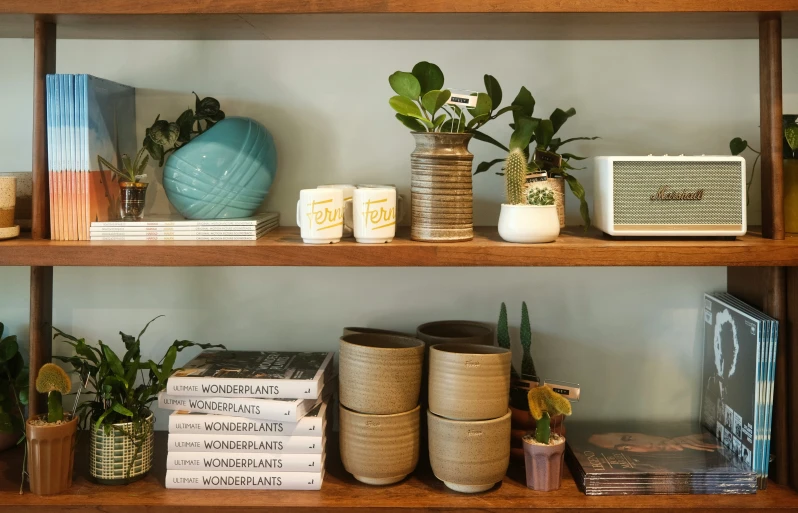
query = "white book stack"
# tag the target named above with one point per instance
(177, 228)
(248, 420)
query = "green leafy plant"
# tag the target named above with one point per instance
(122, 388)
(531, 135)
(543, 404)
(13, 386)
(53, 381)
(515, 177)
(164, 137)
(421, 102)
(541, 196)
(738, 145)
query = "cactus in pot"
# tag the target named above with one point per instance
(540, 196)
(544, 452)
(515, 177)
(53, 381)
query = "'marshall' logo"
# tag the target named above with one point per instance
(665, 193)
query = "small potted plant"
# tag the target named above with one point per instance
(133, 190)
(51, 437)
(118, 414)
(530, 215)
(13, 392)
(544, 451)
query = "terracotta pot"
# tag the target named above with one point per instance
(469, 381)
(51, 456)
(8, 440)
(112, 452)
(380, 374)
(469, 456)
(544, 464)
(379, 449)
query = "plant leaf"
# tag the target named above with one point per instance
(579, 192)
(207, 107)
(506, 109)
(144, 329)
(435, 99)
(168, 362)
(484, 166)
(185, 122)
(522, 135)
(411, 123)
(494, 90)
(484, 106)
(8, 348)
(555, 144)
(791, 134)
(405, 84)
(569, 156)
(525, 102)
(737, 145)
(428, 75)
(478, 119)
(164, 132)
(481, 136)
(438, 121)
(544, 133)
(113, 361)
(559, 117)
(405, 107)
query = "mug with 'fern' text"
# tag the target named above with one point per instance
(374, 215)
(320, 215)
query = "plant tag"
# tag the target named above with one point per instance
(462, 100)
(547, 159)
(570, 391)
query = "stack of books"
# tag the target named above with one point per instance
(653, 458)
(177, 228)
(739, 372)
(86, 117)
(248, 420)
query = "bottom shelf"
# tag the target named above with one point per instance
(340, 491)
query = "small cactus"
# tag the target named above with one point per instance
(515, 177)
(543, 403)
(527, 364)
(541, 196)
(53, 381)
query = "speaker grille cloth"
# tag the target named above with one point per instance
(637, 181)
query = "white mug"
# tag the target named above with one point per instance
(320, 215)
(400, 200)
(348, 190)
(374, 212)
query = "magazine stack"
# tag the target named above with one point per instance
(248, 420)
(177, 228)
(653, 458)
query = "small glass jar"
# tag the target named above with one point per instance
(133, 197)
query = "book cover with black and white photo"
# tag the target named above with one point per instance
(258, 374)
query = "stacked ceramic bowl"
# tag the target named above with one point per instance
(468, 418)
(380, 380)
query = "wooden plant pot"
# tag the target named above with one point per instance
(122, 454)
(544, 464)
(51, 456)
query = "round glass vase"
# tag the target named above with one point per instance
(132, 199)
(122, 453)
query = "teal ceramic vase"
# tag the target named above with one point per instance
(223, 173)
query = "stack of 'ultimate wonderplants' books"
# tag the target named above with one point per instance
(248, 420)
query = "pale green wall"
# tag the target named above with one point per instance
(630, 336)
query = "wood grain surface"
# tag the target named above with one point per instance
(340, 492)
(284, 247)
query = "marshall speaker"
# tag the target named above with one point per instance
(670, 196)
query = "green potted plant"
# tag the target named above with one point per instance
(530, 215)
(51, 437)
(118, 413)
(162, 138)
(544, 451)
(535, 138)
(441, 164)
(13, 392)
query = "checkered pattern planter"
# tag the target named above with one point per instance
(112, 451)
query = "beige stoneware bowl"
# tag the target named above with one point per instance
(469, 456)
(380, 373)
(469, 381)
(379, 449)
(352, 330)
(465, 332)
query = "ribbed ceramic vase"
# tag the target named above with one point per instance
(440, 188)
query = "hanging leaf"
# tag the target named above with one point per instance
(429, 77)
(559, 117)
(405, 84)
(494, 90)
(525, 103)
(411, 123)
(544, 133)
(477, 120)
(579, 192)
(481, 136)
(8, 348)
(435, 99)
(164, 133)
(405, 107)
(186, 123)
(484, 166)
(522, 135)
(737, 145)
(154, 149)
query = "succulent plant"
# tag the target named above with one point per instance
(53, 381)
(540, 196)
(515, 177)
(527, 364)
(543, 403)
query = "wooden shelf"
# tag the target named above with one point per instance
(283, 247)
(397, 24)
(340, 492)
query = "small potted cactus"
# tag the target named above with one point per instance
(530, 215)
(51, 437)
(544, 451)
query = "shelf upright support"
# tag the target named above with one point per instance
(770, 125)
(41, 278)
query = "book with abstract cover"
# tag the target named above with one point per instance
(87, 116)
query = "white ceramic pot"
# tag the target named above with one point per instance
(529, 224)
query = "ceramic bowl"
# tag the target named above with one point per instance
(379, 373)
(469, 381)
(351, 330)
(465, 332)
(379, 449)
(469, 456)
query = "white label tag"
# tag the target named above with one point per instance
(463, 100)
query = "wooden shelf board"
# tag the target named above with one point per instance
(405, 25)
(340, 492)
(283, 247)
